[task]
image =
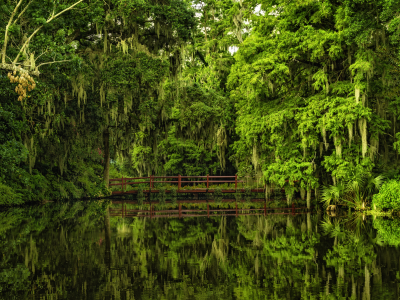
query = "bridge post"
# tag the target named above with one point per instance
(235, 182)
(208, 180)
(208, 210)
(179, 182)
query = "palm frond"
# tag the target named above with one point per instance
(327, 226)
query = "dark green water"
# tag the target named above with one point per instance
(79, 251)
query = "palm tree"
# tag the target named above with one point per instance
(332, 193)
(354, 191)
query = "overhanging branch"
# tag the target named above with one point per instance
(48, 21)
(12, 67)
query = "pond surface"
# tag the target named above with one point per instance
(82, 251)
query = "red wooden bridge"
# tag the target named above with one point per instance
(184, 184)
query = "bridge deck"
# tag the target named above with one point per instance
(186, 191)
(192, 184)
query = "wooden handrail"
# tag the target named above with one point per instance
(179, 180)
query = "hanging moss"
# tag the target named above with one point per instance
(362, 123)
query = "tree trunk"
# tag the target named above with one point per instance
(106, 145)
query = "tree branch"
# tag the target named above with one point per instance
(26, 43)
(12, 67)
(3, 51)
(53, 62)
(48, 21)
(68, 8)
(22, 12)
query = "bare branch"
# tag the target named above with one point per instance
(44, 52)
(3, 51)
(22, 12)
(53, 62)
(68, 8)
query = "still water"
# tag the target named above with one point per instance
(87, 251)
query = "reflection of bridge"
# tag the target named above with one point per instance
(206, 212)
(183, 184)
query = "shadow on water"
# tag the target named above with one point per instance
(96, 250)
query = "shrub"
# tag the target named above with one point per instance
(388, 196)
(9, 197)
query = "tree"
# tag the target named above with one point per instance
(312, 90)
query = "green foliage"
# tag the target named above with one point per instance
(140, 195)
(8, 196)
(174, 195)
(247, 194)
(162, 196)
(14, 279)
(332, 193)
(388, 230)
(238, 196)
(388, 196)
(307, 101)
(218, 195)
(301, 117)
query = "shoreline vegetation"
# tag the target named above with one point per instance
(298, 97)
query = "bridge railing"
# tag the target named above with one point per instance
(179, 180)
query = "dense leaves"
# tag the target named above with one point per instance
(299, 95)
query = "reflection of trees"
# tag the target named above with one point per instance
(77, 251)
(356, 256)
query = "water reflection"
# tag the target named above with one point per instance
(81, 251)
